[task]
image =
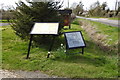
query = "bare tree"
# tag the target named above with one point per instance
(79, 9)
(98, 10)
(116, 5)
(104, 5)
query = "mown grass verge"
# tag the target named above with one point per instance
(115, 18)
(95, 63)
(105, 35)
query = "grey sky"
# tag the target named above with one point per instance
(86, 3)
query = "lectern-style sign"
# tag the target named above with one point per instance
(43, 29)
(74, 40)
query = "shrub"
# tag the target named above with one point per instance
(26, 15)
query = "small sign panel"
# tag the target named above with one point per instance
(74, 39)
(45, 28)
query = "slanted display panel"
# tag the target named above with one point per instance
(45, 28)
(74, 39)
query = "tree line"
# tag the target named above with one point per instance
(24, 16)
(96, 10)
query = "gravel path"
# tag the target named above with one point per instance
(23, 74)
(8, 74)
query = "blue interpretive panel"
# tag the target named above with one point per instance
(74, 39)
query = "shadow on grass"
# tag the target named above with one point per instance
(83, 59)
(92, 56)
(45, 42)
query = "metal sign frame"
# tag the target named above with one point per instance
(31, 37)
(67, 44)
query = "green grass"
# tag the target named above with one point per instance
(4, 21)
(0, 48)
(93, 64)
(110, 31)
(114, 18)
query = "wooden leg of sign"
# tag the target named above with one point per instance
(51, 47)
(82, 50)
(29, 46)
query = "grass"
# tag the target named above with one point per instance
(95, 63)
(4, 21)
(110, 31)
(0, 48)
(114, 18)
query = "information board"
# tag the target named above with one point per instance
(45, 28)
(74, 39)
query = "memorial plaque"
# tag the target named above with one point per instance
(74, 39)
(45, 28)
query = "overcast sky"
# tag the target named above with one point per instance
(86, 3)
